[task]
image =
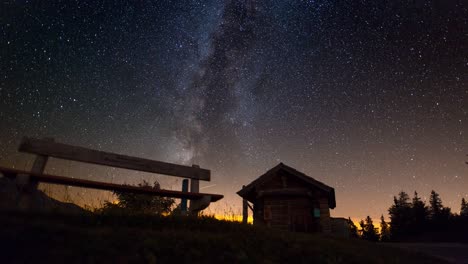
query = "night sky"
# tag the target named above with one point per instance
(369, 97)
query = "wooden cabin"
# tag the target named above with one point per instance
(284, 198)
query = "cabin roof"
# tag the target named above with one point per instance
(248, 190)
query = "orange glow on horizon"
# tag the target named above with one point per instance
(232, 218)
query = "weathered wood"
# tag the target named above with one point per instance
(194, 186)
(64, 151)
(197, 205)
(28, 184)
(39, 164)
(195, 183)
(38, 167)
(284, 192)
(287, 199)
(245, 210)
(183, 202)
(110, 186)
(325, 222)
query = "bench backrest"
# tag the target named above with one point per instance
(45, 148)
(50, 148)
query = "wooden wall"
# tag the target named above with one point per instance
(325, 221)
(292, 213)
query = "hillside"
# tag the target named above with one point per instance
(102, 238)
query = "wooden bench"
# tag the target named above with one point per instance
(45, 148)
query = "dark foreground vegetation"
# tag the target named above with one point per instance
(103, 238)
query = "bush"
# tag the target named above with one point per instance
(132, 203)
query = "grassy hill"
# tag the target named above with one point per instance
(41, 238)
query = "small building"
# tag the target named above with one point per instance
(284, 198)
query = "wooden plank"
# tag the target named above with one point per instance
(38, 167)
(183, 203)
(64, 151)
(197, 205)
(245, 210)
(109, 186)
(39, 164)
(194, 186)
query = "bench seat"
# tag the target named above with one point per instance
(39, 177)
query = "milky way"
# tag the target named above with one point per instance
(370, 97)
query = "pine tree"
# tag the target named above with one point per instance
(464, 208)
(353, 230)
(400, 216)
(439, 215)
(403, 199)
(384, 230)
(435, 204)
(369, 232)
(420, 214)
(362, 225)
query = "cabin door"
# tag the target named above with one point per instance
(302, 220)
(298, 222)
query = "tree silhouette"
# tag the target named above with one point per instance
(416, 221)
(369, 232)
(464, 208)
(439, 215)
(400, 216)
(353, 230)
(419, 213)
(435, 204)
(384, 230)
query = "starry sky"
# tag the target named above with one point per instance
(369, 97)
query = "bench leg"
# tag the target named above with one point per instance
(197, 205)
(28, 186)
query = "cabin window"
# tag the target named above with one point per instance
(316, 212)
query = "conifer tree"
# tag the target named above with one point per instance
(384, 230)
(439, 215)
(464, 208)
(419, 213)
(353, 230)
(435, 204)
(369, 232)
(400, 216)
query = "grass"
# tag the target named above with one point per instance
(26, 238)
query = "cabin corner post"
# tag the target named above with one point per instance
(245, 211)
(325, 222)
